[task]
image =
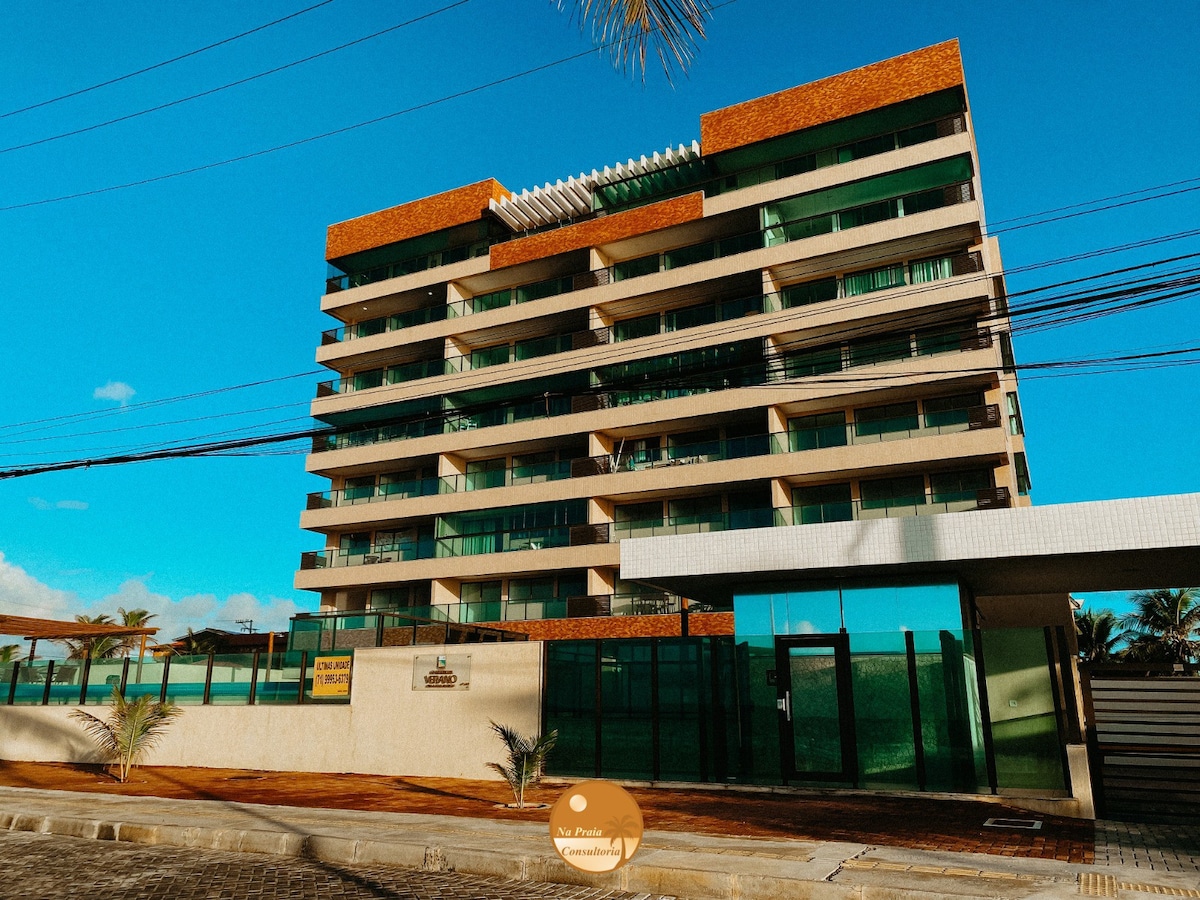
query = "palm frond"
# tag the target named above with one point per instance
(134, 727)
(630, 29)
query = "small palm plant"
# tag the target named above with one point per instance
(526, 759)
(133, 728)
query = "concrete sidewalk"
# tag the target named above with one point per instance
(695, 867)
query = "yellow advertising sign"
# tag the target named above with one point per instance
(331, 676)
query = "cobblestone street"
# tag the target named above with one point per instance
(50, 867)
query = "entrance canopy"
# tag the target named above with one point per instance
(1106, 545)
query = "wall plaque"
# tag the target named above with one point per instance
(441, 673)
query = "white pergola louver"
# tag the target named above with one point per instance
(565, 201)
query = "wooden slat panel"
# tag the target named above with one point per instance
(1166, 685)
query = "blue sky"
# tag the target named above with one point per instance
(190, 285)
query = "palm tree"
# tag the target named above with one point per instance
(9, 652)
(619, 830)
(193, 645)
(133, 728)
(627, 28)
(104, 647)
(526, 759)
(1099, 634)
(133, 618)
(1164, 626)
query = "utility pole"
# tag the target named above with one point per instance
(247, 625)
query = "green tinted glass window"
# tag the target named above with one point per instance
(874, 280)
(635, 328)
(886, 493)
(940, 340)
(490, 356)
(822, 503)
(813, 362)
(814, 432)
(894, 417)
(941, 411)
(635, 268)
(955, 487)
(878, 350)
(809, 292)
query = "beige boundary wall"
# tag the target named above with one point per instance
(387, 729)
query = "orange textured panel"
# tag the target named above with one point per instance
(445, 210)
(880, 84)
(619, 627)
(602, 230)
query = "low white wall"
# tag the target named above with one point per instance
(387, 729)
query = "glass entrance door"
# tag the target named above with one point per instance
(816, 708)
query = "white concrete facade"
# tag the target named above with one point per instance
(1070, 546)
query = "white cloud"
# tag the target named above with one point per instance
(39, 503)
(114, 390)
(23, 595)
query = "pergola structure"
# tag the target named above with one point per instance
(32, 630)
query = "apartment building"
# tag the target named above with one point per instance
(798, 319)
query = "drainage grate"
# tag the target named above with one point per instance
(1026, 824)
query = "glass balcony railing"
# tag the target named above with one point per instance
(573, 607)
(891, 429)
(429, 368)
(690, 453)
(511, 296)
(852, 285)
(409, 266)
(399, 490)
(730, 521)
(388, 627)
(383, 324)
(690, 176)
(365, 556)
(892, 508)
(534, 473)
(540, 538)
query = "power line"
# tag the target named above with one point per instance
(165, 62)
(318, 137)
(794, 320)
(231, 84)
(692, 379)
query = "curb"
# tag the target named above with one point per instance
(690, 883)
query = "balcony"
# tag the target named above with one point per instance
(510, 541)
(400, 490)
(386, 628)
(535, 473)
(365, 556)
(730, 521)
(384, 324)
(555, 608)
(696, 175)
(876, 431)
(374, 378)
(409, 266)
(893, 508)
(791, 365)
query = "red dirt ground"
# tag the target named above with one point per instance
(914, 822)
